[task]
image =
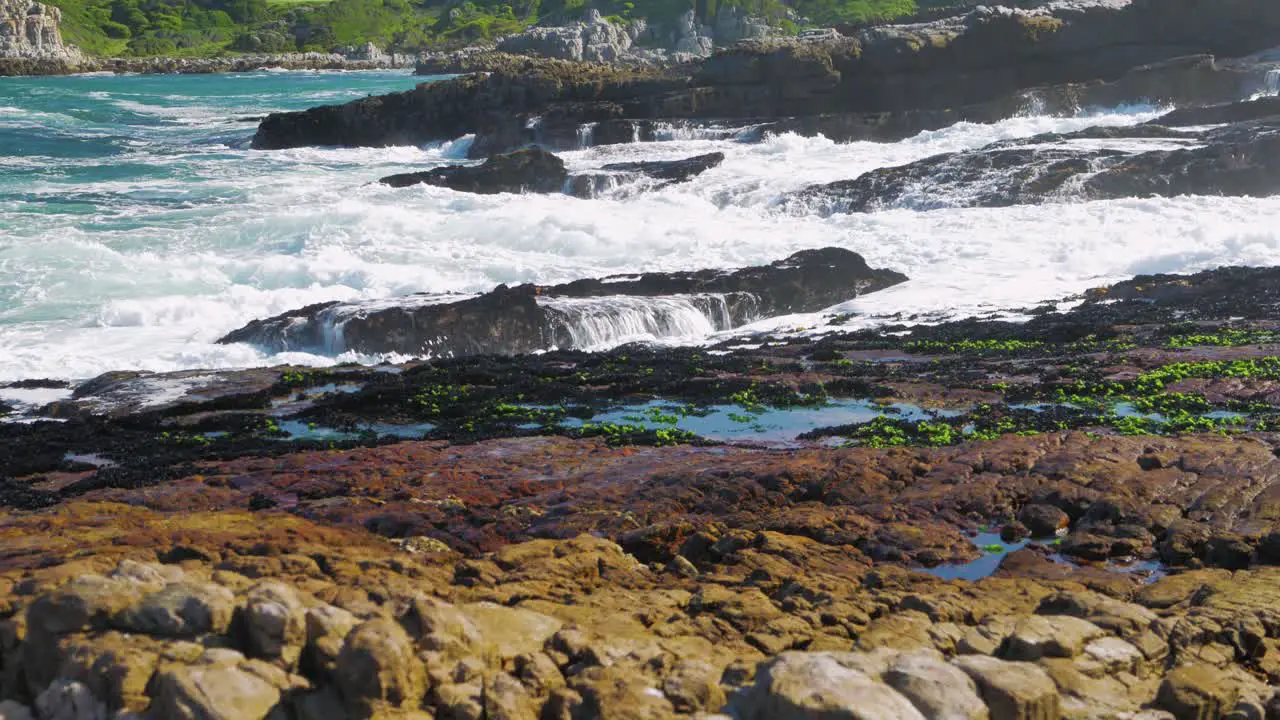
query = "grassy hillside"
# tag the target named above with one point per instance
(212, 27)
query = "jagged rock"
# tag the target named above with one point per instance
(1193, 692)
(670, 170)
(379, 669)
(276, 623)
(1013, 690)
(31, 31)
(528, 170)
(530, 318)
(939, 690)
(594, 40)
(1237, 160)
(993, 56)
(795, 686)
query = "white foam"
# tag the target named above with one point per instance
(213, 235)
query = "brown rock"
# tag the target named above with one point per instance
(800, 686)
(615, 693)
(1043, 520)
(275, 622)
(218, 688)
(1196, 692)
(1013, 690)
(938, 689)
(694, 686)
(1040, 636)
(181, 609)
(378, 669)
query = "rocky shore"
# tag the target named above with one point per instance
(1070, 517)
(886, 82)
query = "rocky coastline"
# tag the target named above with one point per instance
(1070, 517)
(1061, 512)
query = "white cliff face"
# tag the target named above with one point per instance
(594, 40)
(31, 30)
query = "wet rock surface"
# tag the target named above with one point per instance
(530, 318)
(1237, 159)
(529, 170)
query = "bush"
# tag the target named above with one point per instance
(151, 46)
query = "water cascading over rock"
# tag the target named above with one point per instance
(585, 314)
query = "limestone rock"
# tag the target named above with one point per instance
(32, 31)
(378, 668)
(939, 690)
(799, 686)
(1013, 690)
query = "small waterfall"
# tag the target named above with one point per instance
(586, 135)
(635, 132)
(1271, 83)
(598, 323)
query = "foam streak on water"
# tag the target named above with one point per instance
(136, 227)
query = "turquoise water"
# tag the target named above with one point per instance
(137, 227)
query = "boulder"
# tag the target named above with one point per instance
(181, 609)
(379, 669)
(609, 692)
(531, 318)
(529, 170)
(939, 690)
(69, 700)
(1043, 520)
(327, 629)
(276, 623)
(1040, 636)
(216, 688)
(1013, 690)
(798, 686)
(1195, 692)
(505, 698)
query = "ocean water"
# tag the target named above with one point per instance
(137, 227)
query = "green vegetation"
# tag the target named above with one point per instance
(971, 346)
(216, 27)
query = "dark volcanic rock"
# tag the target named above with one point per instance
(593, 184)
(978, 65)
(1237, 160)
(528, 318)
(1221, 113)
(528, 170)
(672, 170)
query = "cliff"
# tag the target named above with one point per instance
(30, 31)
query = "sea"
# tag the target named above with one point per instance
(137, 226)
